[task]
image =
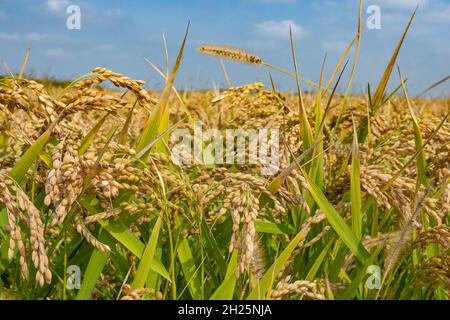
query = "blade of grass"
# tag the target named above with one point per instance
(21, 167)
(316, 170)
(355, 187)
(267, 279)
(124, 133)
(317, 159)
(213, 246)
(421, 161)
(270, 227)
(378, 96)
(226, 290)
(349, 293)
(147, 257)
(24, 63)
(152, 126)
(357, 50)
(336, 221)
(87, 140)
(276, 183)
(127, 239)
(225, 74)
(355, 63)
(434, 85)
(306, 132)
(290, 74)
(93, 271)
(189, 269)
(180, 98)
(318, 262)
(166, 56)
(338, 66)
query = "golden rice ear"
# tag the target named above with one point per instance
(230, 53)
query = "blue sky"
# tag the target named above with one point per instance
(120, 34)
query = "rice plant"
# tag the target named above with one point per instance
(358, 208)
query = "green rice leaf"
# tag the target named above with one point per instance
(147, 257)
(189, 268)
(337, 222)
(355, 187)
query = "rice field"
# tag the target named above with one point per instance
(93, 205)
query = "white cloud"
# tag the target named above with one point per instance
(334, 46)
(441, 15)
(114, 13)
(402, 4)
(29, 37)
(104, 47)
(278, 29)
(57, 5)
(57, 53)
(273, 1)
